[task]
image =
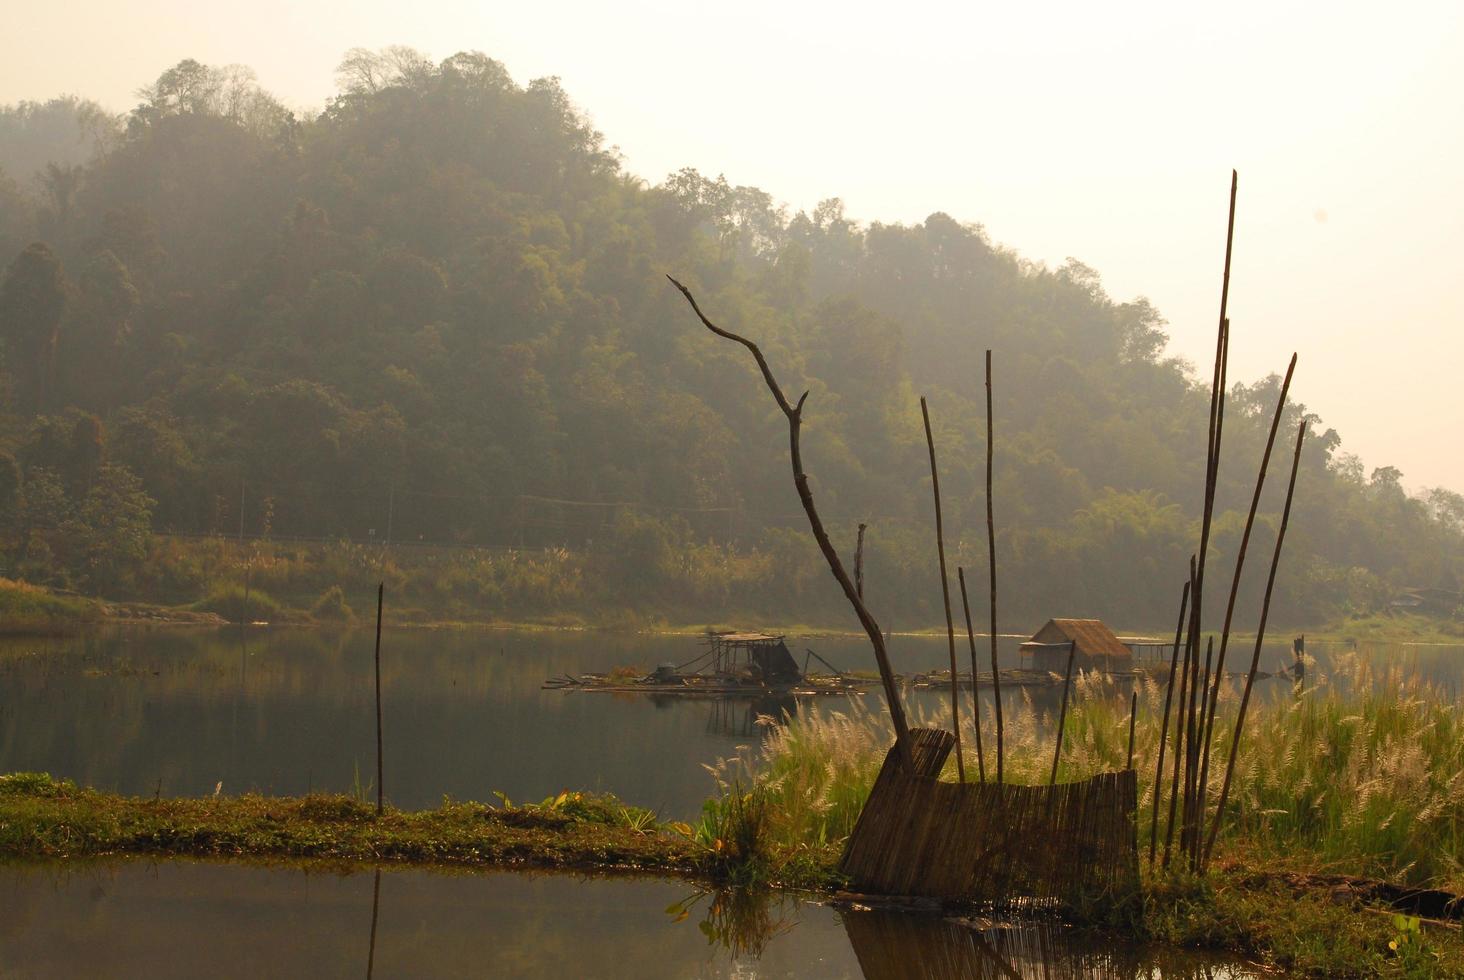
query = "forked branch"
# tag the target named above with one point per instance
(794, 414)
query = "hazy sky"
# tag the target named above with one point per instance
(1105, 132)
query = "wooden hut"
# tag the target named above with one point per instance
(1097, 648)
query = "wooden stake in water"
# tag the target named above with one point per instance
(975, 677)
(991, 553)
(945, 594)
(380, 595)
(1062, 712)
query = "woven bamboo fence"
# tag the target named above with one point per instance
(1073, 843)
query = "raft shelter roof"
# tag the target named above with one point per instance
(733, 637)
(1091, 637)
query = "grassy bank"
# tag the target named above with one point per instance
(1265, 914)
(26, 608)
(45, 818)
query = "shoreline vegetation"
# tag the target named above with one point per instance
(1250, 906)
(29, 609)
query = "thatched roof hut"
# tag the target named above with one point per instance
(1094, 644)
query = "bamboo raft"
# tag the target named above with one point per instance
(745, 665)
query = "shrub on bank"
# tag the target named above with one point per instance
(331, 606)
(230, 602)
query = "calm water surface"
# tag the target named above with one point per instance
(288, 711)
(185, 919)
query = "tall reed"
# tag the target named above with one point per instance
(1364, 774)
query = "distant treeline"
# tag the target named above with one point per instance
(441, 300)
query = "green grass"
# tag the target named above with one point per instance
(26, 608)
(1394, 628)
(45, 818)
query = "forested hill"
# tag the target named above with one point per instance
(441, 304)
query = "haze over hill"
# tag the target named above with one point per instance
(439, 307)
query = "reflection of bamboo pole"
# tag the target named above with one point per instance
(991, 553)
(1250, 678)
(945, 593)
(1062, 713)
(380, 595)
(975, 677)
(375, 907)
(1164, 726)
(794, 414)
(1250, 520)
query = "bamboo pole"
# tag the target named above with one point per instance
(859, 562)
(793, 412)
(1212, 458)
(1250, 678)
(945, 593)
(380, 595)
(991, 553)
(1164, 725)
(1179, 742)
(1062, 712)
(1133, 714)
(975, 677)
(1196, 824)
(1250, 520)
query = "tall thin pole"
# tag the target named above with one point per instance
(1164, 726)
(945, 593)
(380, 595)
(991, 553)
(975, 676)
(1133, 714)
(1179, 743)
(1212, 458)
(1250, 520)
(1197, 825)
(859, 562)
(1250, 678)
(1062, 713)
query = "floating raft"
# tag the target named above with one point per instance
(1011, 677)
(733, 665)
(708, 686)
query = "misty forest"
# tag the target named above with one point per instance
(437, 311)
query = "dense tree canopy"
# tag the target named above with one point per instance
(443, 297)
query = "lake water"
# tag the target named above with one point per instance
(183, 919)
(287, 711)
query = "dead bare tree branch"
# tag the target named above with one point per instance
(794, 414)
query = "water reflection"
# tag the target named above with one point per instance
(288, 711)
(893, 946)
(178, 918)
